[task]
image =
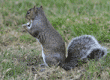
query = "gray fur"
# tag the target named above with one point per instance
(53, 46)
(83, 48)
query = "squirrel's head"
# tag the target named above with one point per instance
(34, 26)
(33, 12)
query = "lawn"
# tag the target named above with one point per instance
(20, 53)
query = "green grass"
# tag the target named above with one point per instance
(26, 38)
(9, 66)
(71, 18)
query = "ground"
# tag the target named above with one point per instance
(20, 53)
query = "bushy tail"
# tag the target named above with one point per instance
(83, 48)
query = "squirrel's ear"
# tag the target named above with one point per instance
(34, 7)
(41, 7)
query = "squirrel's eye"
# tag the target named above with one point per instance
(28, 12)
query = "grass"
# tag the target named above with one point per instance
(71, 18)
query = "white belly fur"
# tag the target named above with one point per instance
(43, 55)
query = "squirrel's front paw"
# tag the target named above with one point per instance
(24, 25)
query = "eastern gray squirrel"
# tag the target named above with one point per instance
(53, 46)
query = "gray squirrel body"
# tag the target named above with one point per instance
(53, 46)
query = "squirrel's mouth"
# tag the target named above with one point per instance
(28, 25)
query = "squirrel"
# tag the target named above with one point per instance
(53, 46)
